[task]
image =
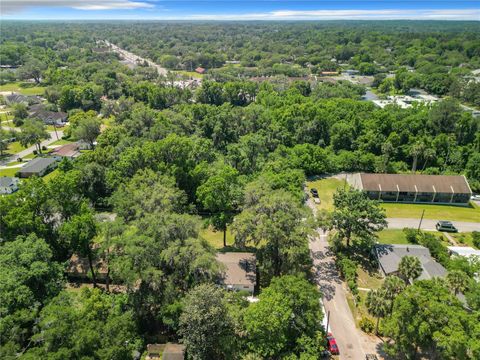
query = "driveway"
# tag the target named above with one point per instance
(428, 224)
(352, 342)
(27, 151)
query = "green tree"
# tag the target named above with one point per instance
(286, 318)
(220, 195)
(87, 129)
(457, 281)
(356, 215)
(410, 268)
(392, 287)
(20, 113)
(205, 324)
(33, 132)
(79, 232)
(377, 305)
(32, 69)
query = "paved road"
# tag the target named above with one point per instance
(27, 151)
(352, 343)
(428, 224)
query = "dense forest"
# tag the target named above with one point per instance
(233, 152)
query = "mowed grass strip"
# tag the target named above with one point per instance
(440, 212)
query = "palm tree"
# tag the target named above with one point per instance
(410, 268)
(416, 151)
(392, 287)
(457, 281)
(377, 305)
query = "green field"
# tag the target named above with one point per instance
(15, 147)
(215, 238)
(8, 172)
(23, 88)
(191, 74)
(61, 142)
(326, 188)
(394, 236)
(457, 213)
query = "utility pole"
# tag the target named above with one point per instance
(328, 320)
(421, 219)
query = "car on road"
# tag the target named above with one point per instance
(475, 197)
(446, 226)
(332, 345)
(314, 192)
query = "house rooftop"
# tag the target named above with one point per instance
(389, 257)
(240, 268)
(38, 165)
(7, 181)
(464, 251)
(67, 150)
(415, 183)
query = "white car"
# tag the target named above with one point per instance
(475, 197)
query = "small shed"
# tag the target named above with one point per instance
(200, 70)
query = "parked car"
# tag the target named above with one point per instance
(332, 345)
(475, 197)
(446, 226)
(314, 192)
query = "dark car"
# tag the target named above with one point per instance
(314, 192)
(446, 226)
(332, 345)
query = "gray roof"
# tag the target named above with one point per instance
(6, 181)
(240, 268)
(38, 165)
(389, 257)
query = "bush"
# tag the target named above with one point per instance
(35, 152)
(44, 148)
(476, 238)
(348, 269)
(411, 235)
(19, 159)
(367, 325)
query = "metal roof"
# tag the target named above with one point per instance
(240, 268)
(37, 165)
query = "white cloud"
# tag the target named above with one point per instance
(385, 14)
(16, 6)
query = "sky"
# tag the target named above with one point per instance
(239, 10)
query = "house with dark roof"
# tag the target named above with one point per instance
(8, 184)
(50, 117)
(16, 98)
(389, 257)
(240, 271)
(414, 188)
(38, 167)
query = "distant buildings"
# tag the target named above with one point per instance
(200, 70)
(414, 188)
(389, 257)
(16, 98)
(8, 185)
(38, 167)
(240, 271)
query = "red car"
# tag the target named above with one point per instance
(332, 345)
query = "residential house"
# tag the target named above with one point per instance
(8, 184)
(70, 151)
(38, 167)
(168, 351)
(200, 70)
(414, 188)
(389, 257)
(16, 98)
(465, 251)
(50, 117)
(240, 271)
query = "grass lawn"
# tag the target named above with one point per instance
(215, 238)
(326, 188)
(442, 212)
(393, 236)
(15, 147)
(51, 175)
(368, 280)
(61, 142)
(29, 156)
(13, 163)
(191, 74)
(8, 172)
(464, 239)
(23, 88)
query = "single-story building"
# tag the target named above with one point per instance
(8, 184)
(78, 268)
(200, 70)
(465, 251)
(414, 188)
(168, 351)
(50, 117)
(70, 151)
(38, 167)
(240, 270)
(16, 98)
(389, 257)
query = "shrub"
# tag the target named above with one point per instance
(366, 325)
(476, 238)
(35, 152)
(44, 148)
(411, 235)
(19, 159)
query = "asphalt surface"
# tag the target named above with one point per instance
(351, 342)
(428, 224)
